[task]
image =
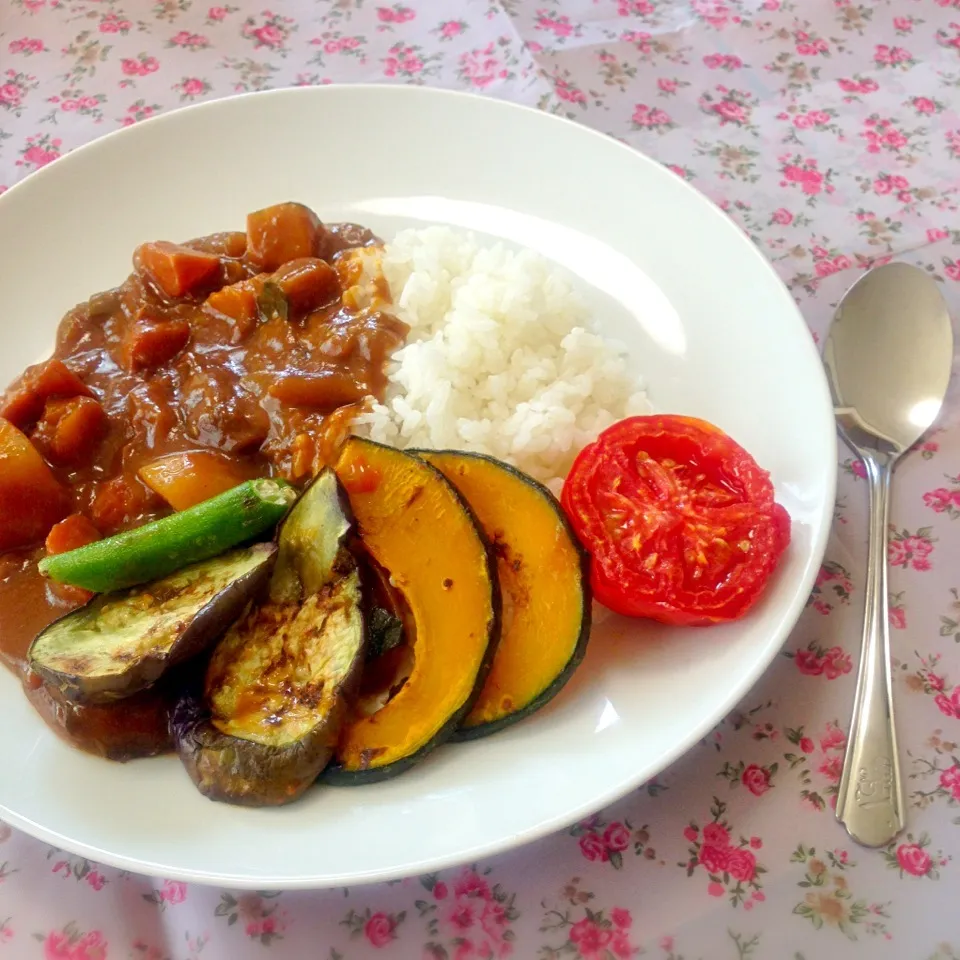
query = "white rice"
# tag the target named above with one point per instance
(501, 358)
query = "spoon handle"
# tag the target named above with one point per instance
(870, 798)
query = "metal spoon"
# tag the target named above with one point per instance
(888, 359)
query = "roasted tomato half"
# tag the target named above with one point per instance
(679, 520)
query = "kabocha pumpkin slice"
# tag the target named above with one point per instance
(279, 685)
(122, 642)
(420, 530)
(544, 581)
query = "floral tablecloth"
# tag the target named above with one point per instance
(830, 131)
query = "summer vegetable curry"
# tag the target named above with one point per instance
(197, 555)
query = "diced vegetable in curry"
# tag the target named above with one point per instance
(218, 360)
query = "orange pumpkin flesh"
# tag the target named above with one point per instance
(543, 580)
(186, 479)
(415, 525)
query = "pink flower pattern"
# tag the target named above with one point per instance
(379, 930)
(829, 130)
(817, 762)
(731, 866)
(603, 842)
(913, 859)
(756, 780)
(174, 891)
(70, 943)
(911, 550)
(815, 660)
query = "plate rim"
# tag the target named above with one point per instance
(821, 527)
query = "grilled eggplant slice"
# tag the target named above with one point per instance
(121, 643)
(280, 684)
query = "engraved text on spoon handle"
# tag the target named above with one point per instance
(870, 800)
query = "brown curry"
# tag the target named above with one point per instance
(227, 357)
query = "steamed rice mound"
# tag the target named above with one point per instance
(500, 359)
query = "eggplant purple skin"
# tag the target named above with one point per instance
(231, 770)
(208, 624)
(125, 730)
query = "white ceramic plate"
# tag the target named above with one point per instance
(707, 322)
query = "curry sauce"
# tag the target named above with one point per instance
(228, 357)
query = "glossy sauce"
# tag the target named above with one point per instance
(26, 607)
(270, 397)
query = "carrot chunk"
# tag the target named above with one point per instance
(285, 231)
(307, 284)
(325, 391)
(69, 430)
(237, 301)
(118, 502)
(151, 343)
(24, 401)
(71, 532)
(175, 269)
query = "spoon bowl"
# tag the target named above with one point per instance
(888, 358)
